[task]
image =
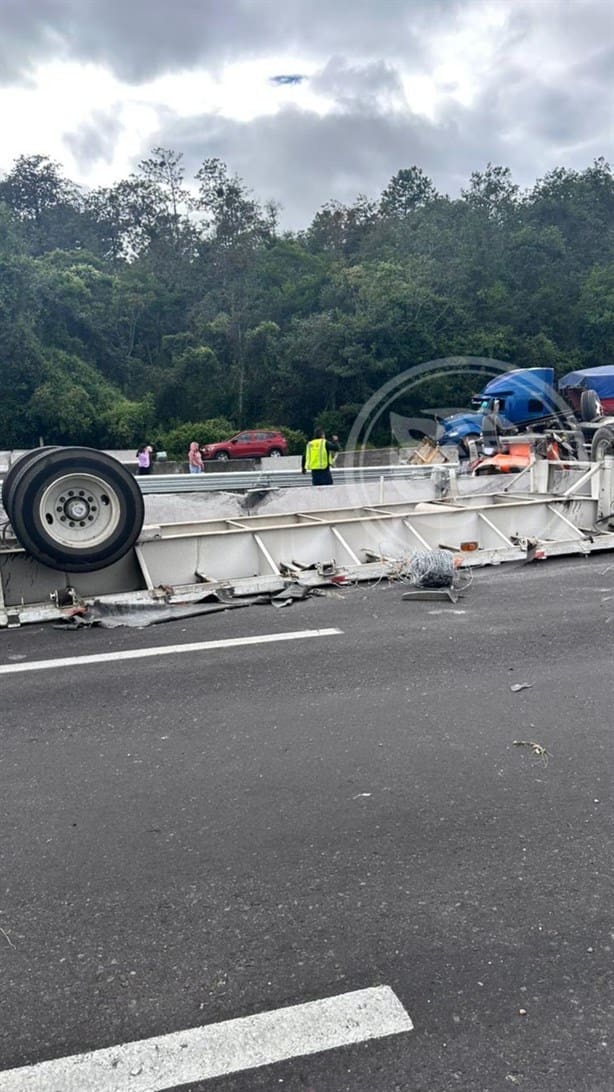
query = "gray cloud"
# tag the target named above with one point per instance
(96, 141)
(374, 86)
(544, 98)
(545, 120)
(26, 36)
(139, 38)
(523, 117)
(303, 160)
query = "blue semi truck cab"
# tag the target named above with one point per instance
(531, 400)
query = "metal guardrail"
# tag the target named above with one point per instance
(240, 481)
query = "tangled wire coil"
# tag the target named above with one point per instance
(424, 569)
(432, 569)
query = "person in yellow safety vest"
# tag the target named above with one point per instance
(319, 457)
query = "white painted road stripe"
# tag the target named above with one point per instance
(165, 650)
(183, 1057)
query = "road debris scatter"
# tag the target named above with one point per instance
(536, 749)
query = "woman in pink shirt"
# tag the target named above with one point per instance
(143, 459)
(195, 459)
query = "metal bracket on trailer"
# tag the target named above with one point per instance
(447, 594)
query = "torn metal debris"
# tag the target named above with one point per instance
(139, 615)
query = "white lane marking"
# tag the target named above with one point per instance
(199, 1054)
(165, 650)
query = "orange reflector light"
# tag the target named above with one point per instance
(469, 546)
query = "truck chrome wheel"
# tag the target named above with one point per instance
(75, 509)
(80, 510)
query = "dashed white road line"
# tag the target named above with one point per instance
(183, 1057)
(164, 650)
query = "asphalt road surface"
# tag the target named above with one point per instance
(199, 836)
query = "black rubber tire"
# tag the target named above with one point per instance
(31, 524)
(590, 406)
(275, 453)
(602, 443)
(222, 456)
(15, 473)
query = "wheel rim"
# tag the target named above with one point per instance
(222, 457)
(79, 510)
(275, 455)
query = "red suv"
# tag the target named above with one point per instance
(248, 445)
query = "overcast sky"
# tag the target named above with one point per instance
(444, 84)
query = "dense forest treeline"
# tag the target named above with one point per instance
(150, 311)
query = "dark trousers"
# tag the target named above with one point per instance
(321, 477)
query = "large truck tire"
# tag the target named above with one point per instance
(602, 443)
(74, 509)
(15, 472)
(590, 406)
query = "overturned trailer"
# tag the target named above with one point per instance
(76, 532)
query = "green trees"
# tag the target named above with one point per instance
(596, 314)
(48, 206)
(137, 310)
(409, 190)
(58, 358)
(176, 441)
